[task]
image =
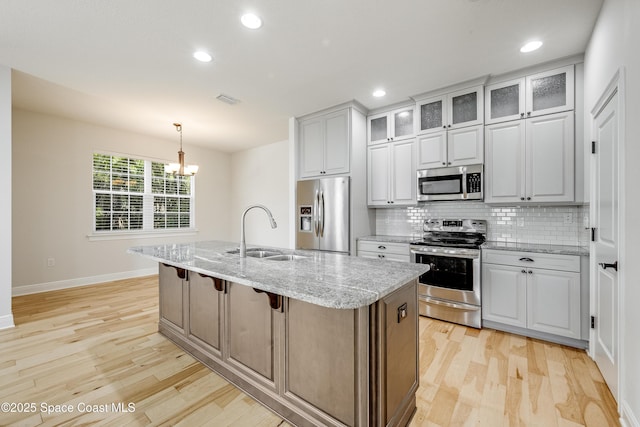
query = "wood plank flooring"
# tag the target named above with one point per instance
(99, 345)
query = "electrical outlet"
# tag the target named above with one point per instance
(51, 262)
(568, 219)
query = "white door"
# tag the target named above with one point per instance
(465, 146)
(403, 178)
(378, 174)
(605, 198)
(550, 153)
(504, 162)
(432, 150)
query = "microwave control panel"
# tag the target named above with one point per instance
(474, 183)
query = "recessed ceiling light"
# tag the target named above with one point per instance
(251, 21)
(531, 46)
(202, 56)
(379, 92)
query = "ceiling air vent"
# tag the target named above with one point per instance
(227, 99)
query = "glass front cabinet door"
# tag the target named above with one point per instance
(535, 95)
(391, 126)
(550, 92)
(505, 101)
(451, 111)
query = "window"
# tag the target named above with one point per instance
(137, 195)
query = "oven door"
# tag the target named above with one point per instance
(454, 274)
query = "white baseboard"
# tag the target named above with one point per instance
(627, 417)
(6, 321)
(82, 281)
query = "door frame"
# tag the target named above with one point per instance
(616, 84)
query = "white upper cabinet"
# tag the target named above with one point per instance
(457, 147)
(390, 126)
(451, 111)
(530, 161)
(535, 95)
(324, 145)
(391, 174)
(505, 101)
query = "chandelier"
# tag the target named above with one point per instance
(180, 168)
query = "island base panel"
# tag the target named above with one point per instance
(375, 350)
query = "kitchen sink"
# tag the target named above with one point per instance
(263, 254)
(285, 257)
(250, 250)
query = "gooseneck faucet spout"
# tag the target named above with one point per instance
(243, 244)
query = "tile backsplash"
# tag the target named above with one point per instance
(558, 225)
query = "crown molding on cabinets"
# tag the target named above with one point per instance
(537, 68)
(480, 81)
(352, 104)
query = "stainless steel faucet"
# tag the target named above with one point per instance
(243, 244)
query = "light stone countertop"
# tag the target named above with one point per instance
(392, 239)
(322, 278)
(539, 248)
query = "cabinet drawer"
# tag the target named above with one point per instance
(532, 259)
(389, 256)
(383, 247)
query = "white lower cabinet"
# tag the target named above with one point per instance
(536, 291)
(384, 250)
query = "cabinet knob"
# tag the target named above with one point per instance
(521, 115)
(449, 163)
(380, 256)
(528, 113)
(391, 201)
(530, 272)
(528, 198)
(444, 127)
(521, 198)
(448, 126)
(524, 271)
(443, 163)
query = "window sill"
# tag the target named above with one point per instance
(128, 235)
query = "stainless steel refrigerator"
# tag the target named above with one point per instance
(323, 214)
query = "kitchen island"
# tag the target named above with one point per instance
(319, 338)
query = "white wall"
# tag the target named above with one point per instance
(261, 176)
(52, 201)
(614, 44)
(6, 318)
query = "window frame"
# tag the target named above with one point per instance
(148, 197)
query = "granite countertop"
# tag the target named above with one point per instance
(392, 239)
(322, 278)
(540, 248)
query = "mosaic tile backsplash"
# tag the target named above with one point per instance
(561, 225)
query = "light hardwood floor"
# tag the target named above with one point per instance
(98, 345)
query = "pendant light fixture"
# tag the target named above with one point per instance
(180, 168)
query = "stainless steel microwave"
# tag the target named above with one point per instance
(454, 183)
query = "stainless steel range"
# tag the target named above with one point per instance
(450, 290)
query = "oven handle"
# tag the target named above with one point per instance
(451, 255)
(466, 307)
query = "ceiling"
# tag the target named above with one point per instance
(129, 65)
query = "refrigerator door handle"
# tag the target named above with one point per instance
(322, 214)
(316, 224)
